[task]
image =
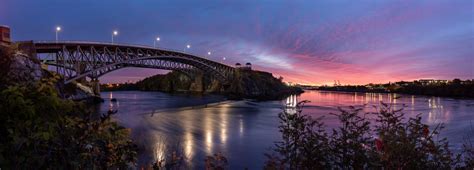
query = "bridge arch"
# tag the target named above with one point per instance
(93, 59)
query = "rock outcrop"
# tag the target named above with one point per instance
(20, 67)
(258, 85)
(245, 84)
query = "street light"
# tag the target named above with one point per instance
(58, 28)
(187, 46)
(115, 33)
(154, 42)
(208, 53)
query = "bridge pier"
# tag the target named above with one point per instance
(80, 67)
(95, 86)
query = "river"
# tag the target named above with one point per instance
(243, 131)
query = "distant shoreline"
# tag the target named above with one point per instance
(386, 92)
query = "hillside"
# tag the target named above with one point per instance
(245, 84)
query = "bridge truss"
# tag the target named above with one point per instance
(75, 60)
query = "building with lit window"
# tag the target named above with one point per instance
(5, 35)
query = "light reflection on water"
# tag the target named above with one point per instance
(244, 130)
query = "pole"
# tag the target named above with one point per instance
(112, 38)
(56, 36)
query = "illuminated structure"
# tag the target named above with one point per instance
(77, 60)
(5, 39)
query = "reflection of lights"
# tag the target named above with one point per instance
(431, 117)
(435, 103)
(223, 118)
(188, 144)
(291, 103)
(241, 127)
(111, 104)
(209, 142)
(223, 135)
(159, 154)
(208, 130)
(159, 149)
(437, 113)
(395, 98)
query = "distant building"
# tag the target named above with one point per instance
(5, 39)
(432, 81)
(247, 66)
(403, 83)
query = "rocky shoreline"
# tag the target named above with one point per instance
(19, 67)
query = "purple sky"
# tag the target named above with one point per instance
(311, 42)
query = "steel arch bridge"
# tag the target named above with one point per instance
(79, 59)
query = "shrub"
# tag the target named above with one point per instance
(410, 144)
(400, 144)
(351, 144)
(304, 145)
(40, 131)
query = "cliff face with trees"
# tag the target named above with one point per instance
(245, 84)
(41, 129)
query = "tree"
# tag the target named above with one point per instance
(40, 131)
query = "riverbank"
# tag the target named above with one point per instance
(454, 89)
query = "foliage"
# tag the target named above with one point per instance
(400, 144)
(351, 144)
(410, 144)
(5, 60)
(305, 143)
(40, 130)
(244, 84)
(175, 160)
(216, 162)
(468, 151)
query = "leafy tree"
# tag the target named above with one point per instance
(40, 130)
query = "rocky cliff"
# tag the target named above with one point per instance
(245, 84)
(20, 67)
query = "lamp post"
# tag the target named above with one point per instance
(187, 46)
(58, 28)
(114, 33)
(154, 42)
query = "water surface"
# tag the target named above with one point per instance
(243, 131)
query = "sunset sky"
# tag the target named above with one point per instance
(310, 42)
